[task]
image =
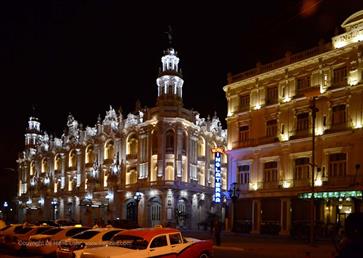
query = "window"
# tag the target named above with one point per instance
(244, 174)
(272, 95)
(107, 236)
(340, 75)
(338, 116)
(270, 172)
(271, 128)
(244, 133)
(159, 241)
(245, 102)
(175, 239)
(170, 141)
(337, 164)
(302, 122)
(302, 83)
(302, 168)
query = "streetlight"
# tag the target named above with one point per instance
(137, 198)
(234, 193)
(312, 93)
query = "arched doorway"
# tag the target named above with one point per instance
(131, 211)
(181, 213)
(155, 211)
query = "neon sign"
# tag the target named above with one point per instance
(217, 176)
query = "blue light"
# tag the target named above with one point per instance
(217, 176)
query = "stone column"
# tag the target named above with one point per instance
(285, 217)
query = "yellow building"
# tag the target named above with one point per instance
(154, 166)
(271, 134)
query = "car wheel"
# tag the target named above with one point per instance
(204, 255)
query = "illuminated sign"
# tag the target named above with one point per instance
(217, 175)
(324, 195)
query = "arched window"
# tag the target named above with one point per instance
(201, 147)
(57, 162)
(109, 150)
(32, 168)
(89, 155)
(132, 145)
(72, 159)
(44, 165)
(212, 154)
(170, 141)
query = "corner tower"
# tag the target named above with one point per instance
(169, 81)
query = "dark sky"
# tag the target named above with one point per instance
(82, 56)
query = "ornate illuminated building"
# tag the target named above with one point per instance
(155, 165)
(270, 136)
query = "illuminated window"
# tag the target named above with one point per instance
(244, 174)
(109, 150)
(244, 102)
(32, 168)
(72, 159)
(133, 145)
(338, 116)
(89, 155)
(302, 122)
(244, 133)
(302, 168)
(201, 147)
(44, 165)
(57, 163)
(337, 164)
(271, 128)
(270, 172)
(340, 76)
(272, 95)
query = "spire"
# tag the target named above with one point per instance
(170, 36)
(170, 80)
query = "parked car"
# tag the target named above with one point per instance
(7, 232)
(22, 234)
(74, 246)
(47, 242)
(152, 242)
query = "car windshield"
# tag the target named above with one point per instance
(52, 231)
(130, 242)
(86, 234)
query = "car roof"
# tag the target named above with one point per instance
(148, 233)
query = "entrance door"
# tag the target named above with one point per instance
(181, 212)
(155, 213)
(131, 211)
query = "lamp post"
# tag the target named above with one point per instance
(234, 193)
(312, 93)
(137, 198)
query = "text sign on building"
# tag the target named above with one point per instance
(217, 175)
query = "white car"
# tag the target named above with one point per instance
(47, 242)
(73, 247)
(152, 242)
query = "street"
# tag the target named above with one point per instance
(248, 246)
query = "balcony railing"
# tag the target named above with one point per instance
(131, 156)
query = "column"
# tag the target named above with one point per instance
(256, 216)
(285, 217)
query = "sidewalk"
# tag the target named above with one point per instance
(279, 246)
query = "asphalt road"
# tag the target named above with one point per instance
(247, 246)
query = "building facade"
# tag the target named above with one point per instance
(295, 128)
(154, 166)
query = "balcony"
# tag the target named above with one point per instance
(337, 128)
(302, 182)
(270, 185)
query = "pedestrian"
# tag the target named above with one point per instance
(217, 231)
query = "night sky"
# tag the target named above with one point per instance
(83, 56)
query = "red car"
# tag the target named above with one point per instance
(152, 242)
